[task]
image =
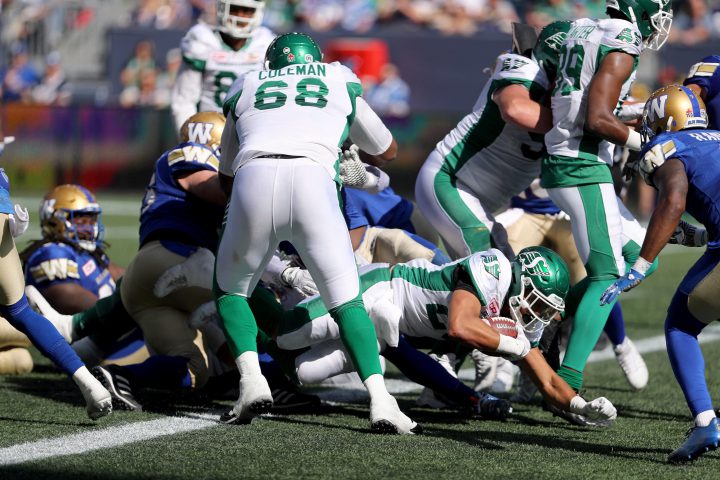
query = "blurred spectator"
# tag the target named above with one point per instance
(391, 95)
(145, 94)
(322, 15)
(143, 60)
(20, 77)
(162, 14)
(542, 13)
(693, 23)
(500, 13)
(166, 79)
(53, 88)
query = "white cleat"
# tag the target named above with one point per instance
(485, 370)
(386, 417)
(255, 399)
(97, 399)
(62, 323)
(632, 364)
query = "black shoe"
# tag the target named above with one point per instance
(493, 408)
(291, 400)
(118, 385)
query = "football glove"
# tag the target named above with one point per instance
(627, 282)
(299, 280)
(205, 313)
(196, 271)
(630, 111)
(600, 409)
(19, 221)
(356, 174)
(689, 235)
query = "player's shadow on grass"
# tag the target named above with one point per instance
(552, 441)
(33, 472)
(625, 411)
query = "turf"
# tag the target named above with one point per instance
(338, 444)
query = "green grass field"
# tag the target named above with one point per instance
(336, 443)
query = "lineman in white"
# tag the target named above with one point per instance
(280, 166)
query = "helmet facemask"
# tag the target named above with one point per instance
(82, 227)
(661, 23)
(532, 309)
(238, 26)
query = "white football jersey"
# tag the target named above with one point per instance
(204, 51)
(423, 290)
(584, 48)
(302, 110)
(493, 159)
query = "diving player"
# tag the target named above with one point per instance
(680, 159)
(15, 309)
(316, 105)
(214, 56)
(598, 60)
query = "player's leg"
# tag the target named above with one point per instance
(319, 233)
(247, 243)
(597, 230)
(458, 216)
(695, 304)
(15, 309)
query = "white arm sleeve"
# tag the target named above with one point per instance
(229, 147)
(367, 130)
(186, 95)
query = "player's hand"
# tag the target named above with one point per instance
(299, 280)
(377, 180)
(205, 313)
(19, 221)
(196, 271)
(526, 346)
(352, 169)
(689, 235)
(631, 111)
(623, 284)
(598, 412)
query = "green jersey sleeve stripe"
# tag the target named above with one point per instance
(194, 63)
(230, 104)
(354, 89)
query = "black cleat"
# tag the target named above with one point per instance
(289, 400)
(118, 385)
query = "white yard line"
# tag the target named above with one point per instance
(104, 438)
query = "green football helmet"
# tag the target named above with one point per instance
(542, 282)
(290, 49)
(547, 48)
(652, 17)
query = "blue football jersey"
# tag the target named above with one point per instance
(699, 151)
(707, 75)
(534, 199)
(56, 263)
(386, 209)
(178, 219)
(6, 205)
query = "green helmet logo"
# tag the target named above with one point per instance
(291, 49)
(652, 17)
(547, 48)
(544, 284)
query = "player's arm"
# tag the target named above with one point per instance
(186, 95)
(516, 107)
(116, 271)
(672, 184)
(603, 95)
(372, 136)
(553, 388)
(203, 184)
(69, 298)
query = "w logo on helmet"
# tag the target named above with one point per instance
(657, 107)
(534, 264)
(200, 132)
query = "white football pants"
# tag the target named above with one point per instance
(286, 199)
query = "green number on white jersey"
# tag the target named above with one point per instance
(311, 92)
(571, 63)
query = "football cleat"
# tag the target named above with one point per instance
(118, 385)
(97, 398)
(289, 399)
(386, 417)
(632, 364)
(255, 399)
(485, 370)
(492, 408)
(699, 440)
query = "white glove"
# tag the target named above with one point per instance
(630, 111)
(377, 180)
(299, 280)
(352, 169)
(196, 271)
(599, 412)
(205, 313)
(514, 349)
(19, 221)
(689, 235)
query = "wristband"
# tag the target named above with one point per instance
(634, 140)
(509, 345)
(641, 265)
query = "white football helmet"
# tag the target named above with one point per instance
(235, 25)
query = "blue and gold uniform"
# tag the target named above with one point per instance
(706, 74)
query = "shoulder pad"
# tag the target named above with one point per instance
(706, 68)
(621, 35)
(198, 43)
(517, 68)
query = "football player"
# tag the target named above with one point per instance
(214, 56)
(285, 126)
(15, 309)
(418, 299)
(597, 64)
(704, 80)
(679, 159)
